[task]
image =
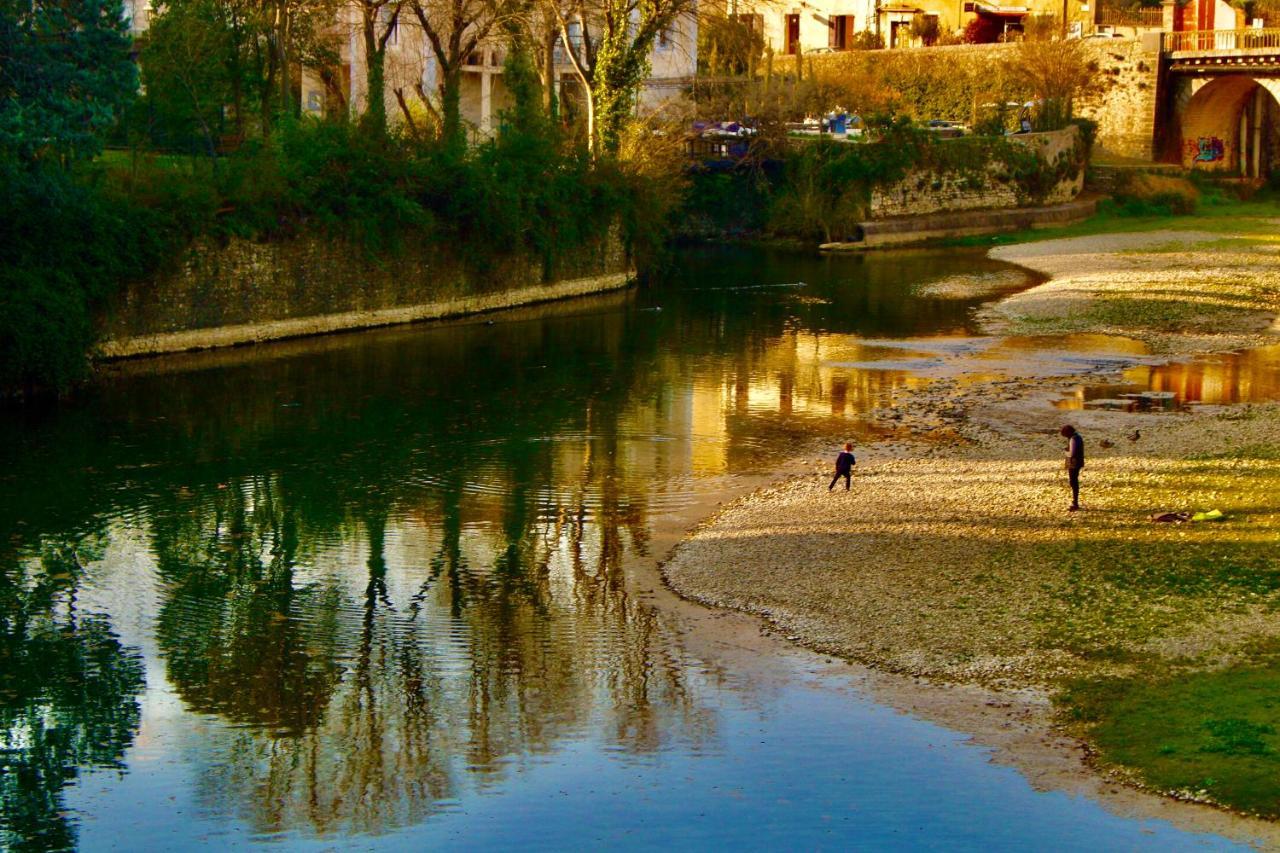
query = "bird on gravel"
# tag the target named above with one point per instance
(1104, 444)
(1135, 435)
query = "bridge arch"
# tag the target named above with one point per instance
(1231, 123)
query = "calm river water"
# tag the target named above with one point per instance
(392, 590)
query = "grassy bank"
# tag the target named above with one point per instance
(1220, 215)
(956, 560)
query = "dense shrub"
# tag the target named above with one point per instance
(825, 187)
(952, 84)
(64, 245)
(1148, 194)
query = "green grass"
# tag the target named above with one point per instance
(1216, 216)
(1207, 734)
(1258, 452)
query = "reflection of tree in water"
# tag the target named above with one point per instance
(371, 705)
(68, 696)
(242, 638)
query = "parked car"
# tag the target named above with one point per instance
(945, 129)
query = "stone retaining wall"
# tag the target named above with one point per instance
(1125, 105)
(244, 292)
(926, 192)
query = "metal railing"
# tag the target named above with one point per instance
(1143, 18)
(1224, 40)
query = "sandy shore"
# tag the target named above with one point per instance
(955, 559)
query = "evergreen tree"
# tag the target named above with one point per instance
(65, 77)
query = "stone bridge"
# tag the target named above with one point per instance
(1221, 100)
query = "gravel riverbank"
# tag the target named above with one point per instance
(954, 558)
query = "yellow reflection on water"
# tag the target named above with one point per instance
(1076, 343)
(1224, 378)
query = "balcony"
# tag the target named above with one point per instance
(1224, 43)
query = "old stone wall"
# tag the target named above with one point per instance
(243, 291)
(947, 82)
(1125, 105)
(927, 192)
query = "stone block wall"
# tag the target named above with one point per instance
(1126, 105)
(244, 291)
(927, 192)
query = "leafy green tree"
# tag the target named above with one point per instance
(186, 68)
(65, 76)
(608, 44)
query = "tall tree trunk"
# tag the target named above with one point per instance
(549, 101)
(282, 59)
(451, 107)
(375, 109)
(266, 87)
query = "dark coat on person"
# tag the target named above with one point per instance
(1075, 452)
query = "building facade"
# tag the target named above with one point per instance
(838, 25)
(411, 71)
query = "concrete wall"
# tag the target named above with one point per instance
(243, 291)
(1125, 108)
(929, 192)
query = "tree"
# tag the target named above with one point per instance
(187, 60)
(454, 29)
(1057, 72)
(379, 20)
(287, 33)
(924, 29)
(983, 29)
(65, 76)
(728, 45)
(608, 44)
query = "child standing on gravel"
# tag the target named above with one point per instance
(1074, 462)
(844, 466)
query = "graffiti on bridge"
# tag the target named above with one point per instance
(1206, 149)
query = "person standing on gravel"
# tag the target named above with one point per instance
(844, 466)
(1074, 462)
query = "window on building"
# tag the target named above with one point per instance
(792, 28)
(840, 32)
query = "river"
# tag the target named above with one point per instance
(396, 589)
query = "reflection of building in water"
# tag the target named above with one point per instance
(764, 400)
(1252, 375)
(1249, 376)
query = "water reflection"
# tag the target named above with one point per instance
(392, 568)
(68, 694)
(1221, 378)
